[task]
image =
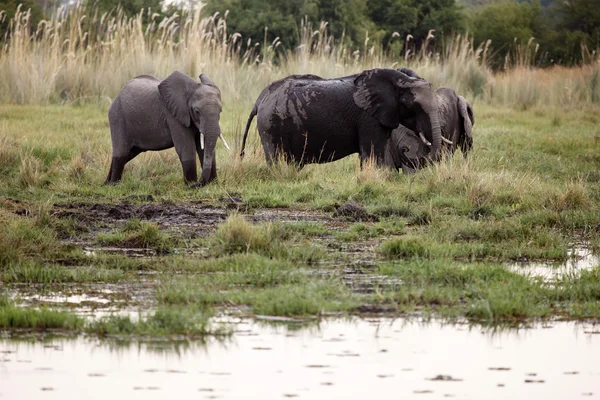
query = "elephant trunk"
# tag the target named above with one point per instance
(211, 132)
(436, 135)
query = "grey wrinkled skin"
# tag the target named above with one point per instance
(456, 118)
(308, 119)
(152, 115)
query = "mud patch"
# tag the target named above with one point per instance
(163, 214)
(353, 212)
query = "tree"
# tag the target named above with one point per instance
(504, 23)
(577, 24)
(250, 17)
(130, 7)
(416, 17)
(346, 17)
(9, 7)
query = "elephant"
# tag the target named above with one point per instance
(152, 115)
(308, 119)
(456, 120)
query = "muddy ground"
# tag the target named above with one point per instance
(352, 261)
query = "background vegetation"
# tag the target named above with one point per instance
(567, 32)
(81, 54)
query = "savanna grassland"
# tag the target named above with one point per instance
(326, 240)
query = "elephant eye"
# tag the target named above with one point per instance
(196, 111)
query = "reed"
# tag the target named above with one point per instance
(79, 55)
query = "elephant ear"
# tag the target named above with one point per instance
(379, 92)
(409, 72)
(466, 112)
(175, 92)
(206, 80)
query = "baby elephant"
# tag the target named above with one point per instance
(408, 148)
(152, 115)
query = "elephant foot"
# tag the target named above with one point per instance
(199, 184)
(196, 185)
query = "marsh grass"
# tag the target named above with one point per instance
(21, 239)
(136, 233)
(296, 295)
(31, 272)
(487, 292)
(237, 235)
(43, 319)
(162, 322)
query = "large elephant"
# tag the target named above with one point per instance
(152, 115)
(409, 149)
(308, 119)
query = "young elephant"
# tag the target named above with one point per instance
(408, 148)
(308, 119)
(150, 115)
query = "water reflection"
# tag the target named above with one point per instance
(351, 359)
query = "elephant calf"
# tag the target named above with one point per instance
(408, 149)
(152, 115)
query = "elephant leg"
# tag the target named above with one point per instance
(369, 150)
(185, 146)
(118, 164)
(271, 153)
(372, 141)
(190, 174)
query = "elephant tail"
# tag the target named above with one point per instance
(250, 118)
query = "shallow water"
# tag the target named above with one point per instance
(356, 359)
(580, 259)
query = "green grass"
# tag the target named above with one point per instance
(487, 292)
(31, 272)
(529, 190)
(139, 234)
(164, 321)
(43, 319)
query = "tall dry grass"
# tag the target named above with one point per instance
(77, 57)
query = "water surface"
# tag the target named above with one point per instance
(357, 359)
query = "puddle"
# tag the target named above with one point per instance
(86, 298)
(580, 259)
(375, 358)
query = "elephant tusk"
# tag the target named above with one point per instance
(202, 141)
(224, 142)
(424, 139)
(447, 141)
